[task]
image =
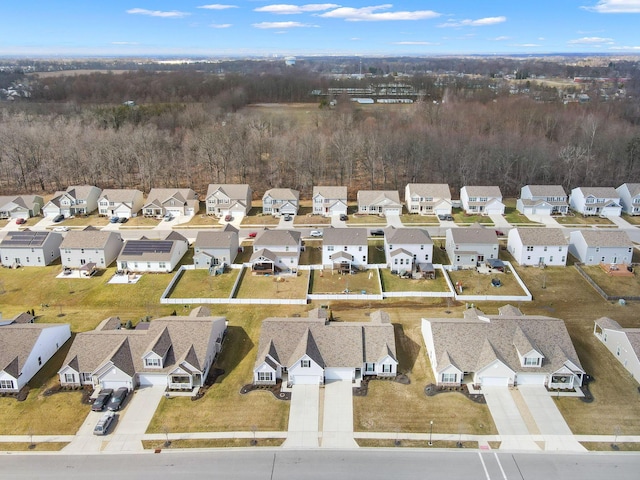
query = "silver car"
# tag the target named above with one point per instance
(102, 427)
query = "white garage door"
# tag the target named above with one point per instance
(148, 379)
(494, 381)
(307, 380)
(115, 384)
(392, 211)
(338, 374)
(176, 212)
(530, 379)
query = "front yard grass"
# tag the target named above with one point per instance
(360, 219)
(393, 283)
(513, 216)
(632, 219)
(93, 220)
(324, 281)
(37, 447)
(577, 219)
(474, 283)
(141, 222)
(462, 218)
(272, 286)
(305, 217)
(256, 217)
(212, 443)
(612, 285)
(416, 219)
(199, 284)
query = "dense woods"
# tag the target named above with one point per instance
(192, 129)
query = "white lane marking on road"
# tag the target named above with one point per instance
(484, 466)
(500, 465)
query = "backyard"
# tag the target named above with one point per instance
(614, 285)
(312, 253)
(474, 283)
(393, 283)
(199, 284)
(328, 282)
(272, 286)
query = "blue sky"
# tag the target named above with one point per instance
(353, 27)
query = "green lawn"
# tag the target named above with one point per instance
(270, 286)
(513, 216)
(256, 217)
(415, 219)
(305, 217)
(393, 283)
(366, 220)
(462, 218)
(312, 254)
(86, 220)
(141, 222)
(323, 281)
(199, 284)
(376, 252)
(578, 219)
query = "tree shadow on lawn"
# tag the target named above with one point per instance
(408, 350)
(237, 346)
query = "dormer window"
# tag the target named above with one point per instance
(153, 362)
(531, 361)
(305, 363)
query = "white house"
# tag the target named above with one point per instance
(228, 199)
(379, 202)
(276, 251)
(280, 201)
(630, 198)
(543, 200)
(538, 246)
(314, 350)
(470, 247)
(502, 350)
(604, 201)
(176, 201)
(75, 200)
(24, 350)
(345, 249)
(175, 352)
(29, 249)
(482, 200)
(90, 248)
(329, 201)
(213, 248)
(122, 203)
(407, 248)
(20, 206)
(146, 255)
(428, 198)
(624, 343)
(593, 247)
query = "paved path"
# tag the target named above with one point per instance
(394, 221)
(500, 223)
(304, 414)
(337, 417)
(545, 220)
(85, 441)
(621, 223)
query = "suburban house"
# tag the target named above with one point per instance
(228, 199)
(482, 200)
(20, 206)
(276, 251)
(543, 200)
(593, 247)
(379, 202)
(472, 246)
(502, 350)
(213, 248)
(624, 343)
(176, 201)
(122, 203)
(90, 248)
(75, 200)
(176, 352)
(280, 201)
(329, 201)
(408, 249)
(314, 350)
(428, 198)
(25, 348)
(604, 201)
(29, 249)
(538, 246)
(345, 249)
(146, 255)
(629, 198)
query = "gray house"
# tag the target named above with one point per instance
(20, 206)
(30, 249)
(228, 199)
(345, 249)
(123, 203)
(469, 247)
(276, 251)
(90, 248)
(592, 247)
(75, 200)
(213, 248)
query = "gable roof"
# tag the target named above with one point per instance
(632, 334)
(483, 191)
(235, 191)
(27, 239)
(329, 192)
(81, 191)
(158, 196)
(373, 197)
(606, 238)
(408, 236)
(17, 340)
(546, 190)
(473, 235)
(540, 236)
(89, 239)
(146, 249)
(215, 239)
(633, 188)
(276, 238)
(282, 194)
(435, 190)
(599, 192)
(120, 195)
(344, 236)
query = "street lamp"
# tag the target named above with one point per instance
(431, 433)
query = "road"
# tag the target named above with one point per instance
(270, 464)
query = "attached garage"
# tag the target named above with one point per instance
(149, 379)
(307, 380)
(494, 381)
(392, 211)
(115, 384)
(176, 212)
(531, 378)
(339, 374)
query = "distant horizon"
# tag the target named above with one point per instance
(360, 28)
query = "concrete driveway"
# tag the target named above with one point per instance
(621, 223)
(336, 222)
(546, 220)
(337, 416)
(393, 220)
(304, 413)
(85, 441)
(500, 223)
(511, 426)
(555, 431)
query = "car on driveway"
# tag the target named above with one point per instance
(114, 220)
(500, 233)
(377, 233)
(343, 218)
(287, 218)
(252, 234)
(103, 397)
(61, 229)
(168, 217)
(445, 217)
(123, 220)
(228, 218)
(102, 427)
(20, 221)
(58, 218)
(315, 233)
(117, 399)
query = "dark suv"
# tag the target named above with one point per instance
(101, 401)
(117, 399)
(377, 233)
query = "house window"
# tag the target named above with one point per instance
(359, 249)
(152, 362)
(449, 377)
(69, 378)
(305, 363)
(618, 351)
(39, 361)
(6, 384)
(85, 377)
(545, 248)
(529, 248)
(386, 368)
(531, 361)
(369, 367)
(162, 265)
(265, 376)
(421, 247)
(395, 261)
(551, 259)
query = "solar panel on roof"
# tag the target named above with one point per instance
(138, 247)
(25, 239)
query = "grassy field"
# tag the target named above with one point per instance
(632, 219)
(199, 284)
(305, 217)
(582, 220)
(93, 220)
(393, 283)
(387, 443)
(141, 222)
(256, 217)
(612, 285)
(474, 283)
(323, 281)
(512, 215)
(462, 218)
(414, 219)
(269, 286)
(366, 220)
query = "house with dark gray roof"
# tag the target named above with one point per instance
(75, 200)
(482, 200)
(408, 248)
(623, 343)
(176, 201)
(280, 201)
(90, 248)
(603, 201)
(314, 350)
(121, 203)
(176, 352)
(25, 348)
(213, 248)
(428, 198)
(27, 248)
(630, 198)
(502, 350)
(379, 202)
(228, 199)
(153, 255)
(543, 200)
(538, 246)
(276, 251)
(20, 206)
(468, 247)
(593, 247)
(345, 249)
(329, 200)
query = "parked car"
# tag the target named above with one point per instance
(253, 234)
(61, 229)
(377, 233)
(102, 427)
(315, 233)
(58, 218)
(20, 221)
(343, 217)
(228, 218)
(443, 216)
(168, 217)
(117, 399)
(123, 220)
(500, 233)
(101, 401)
(114, 220)
(287, 218)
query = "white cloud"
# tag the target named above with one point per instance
(369, 14)
(220, 25)
(284, 9)
(615, 6)
(501, 38)
(526, 45)
(480, 22)
(591, 41)
(414, 43)
(217, 6)
(158, 13)
(267, 25)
